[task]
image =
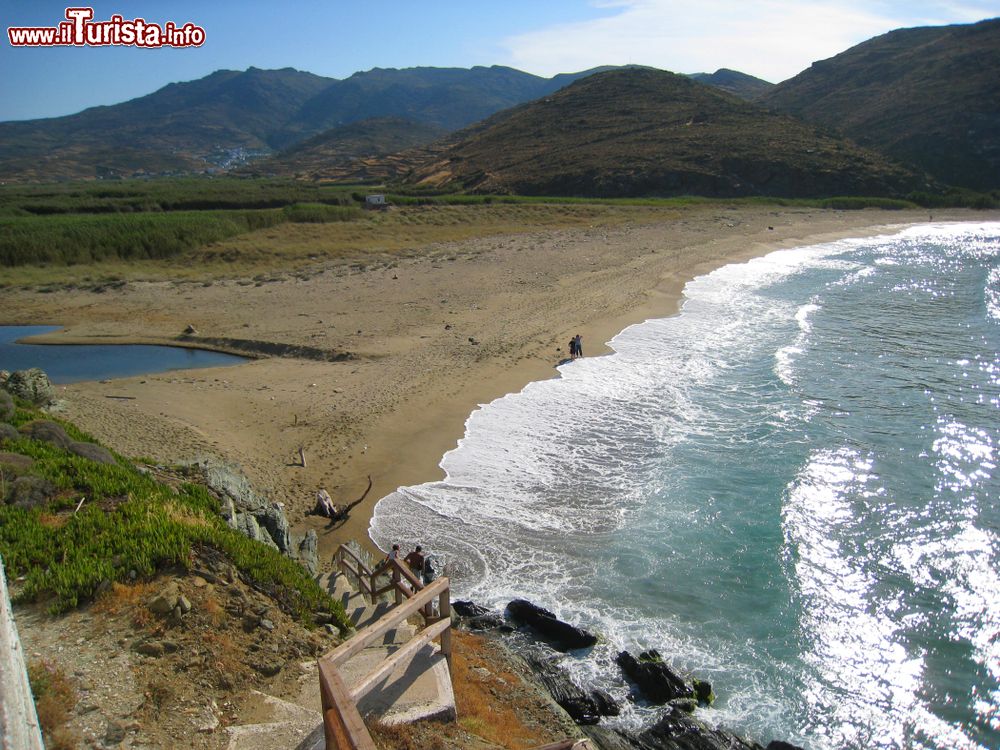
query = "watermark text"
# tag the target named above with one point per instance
(80, 30)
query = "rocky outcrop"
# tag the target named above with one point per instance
(655, 680)
(32, 385)
(476, 617)
(560, 635)
(255, 516)
(674, 730)
(308, 552)
(8, 432)
(585, 707)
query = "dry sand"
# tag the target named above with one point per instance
(400, 402)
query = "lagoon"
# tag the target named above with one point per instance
(71, 363)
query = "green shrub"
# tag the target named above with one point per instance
(319, 213)
(129, 526)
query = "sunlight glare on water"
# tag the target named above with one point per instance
(789, 488)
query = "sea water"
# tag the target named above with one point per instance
(789, 488)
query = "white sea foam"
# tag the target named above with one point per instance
(602, 493)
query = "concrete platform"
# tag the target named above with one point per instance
(418, 689)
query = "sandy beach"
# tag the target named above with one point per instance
(419, 342)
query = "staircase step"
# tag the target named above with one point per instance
(273, 724)
(418, 690)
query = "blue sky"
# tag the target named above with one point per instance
(772, 39)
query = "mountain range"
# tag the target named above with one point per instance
(636, 131)
(927, 98)
(229, 117)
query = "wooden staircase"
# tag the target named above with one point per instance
(383, 670)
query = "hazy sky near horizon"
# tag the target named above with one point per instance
(771, 39)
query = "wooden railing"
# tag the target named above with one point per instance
(18, 720)
(345, 729)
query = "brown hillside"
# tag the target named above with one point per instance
(640, 132)
(925, 96)
(346, 149)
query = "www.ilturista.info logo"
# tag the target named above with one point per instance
(80, 30)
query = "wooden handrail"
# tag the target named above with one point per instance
(372, 633)
(343, 726)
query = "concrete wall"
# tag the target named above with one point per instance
(18, 722)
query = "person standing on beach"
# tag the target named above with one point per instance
(572, 348)
(578, 345)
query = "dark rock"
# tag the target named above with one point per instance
(687, 705)
(561, 635)
(93, 452)
(780, 745)
(489, 621)
(323, 618)
(703, 692)
(677, 730)
(32, 385)
(149, 648)
(30, 492)
(468, 609)
(611, 739)
(582, 706)
(674, 730)
(268, 668)
(475, 616)
(114, 734)
(46, 431)
(8, 432)
(6, 406)
(606, 705)
(657, 682)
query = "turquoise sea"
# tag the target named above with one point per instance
(789, 488)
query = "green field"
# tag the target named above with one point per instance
(153, 228)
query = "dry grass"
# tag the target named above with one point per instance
(52, 521)
(55, 699)
(476, 697)
(382, 236)
(213, 610)
(160, 695)
(124, 597)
